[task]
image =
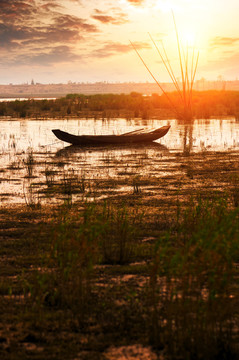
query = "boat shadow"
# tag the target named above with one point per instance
(74, 149)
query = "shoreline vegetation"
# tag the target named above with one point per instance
(205, 104)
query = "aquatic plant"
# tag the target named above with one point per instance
(234, 179)
(192, 281)
(31, 195)
(29, 163)
(72, 254)
(188, 67)
(79, 241)
(67, 188)
(49, 175)
(136, 185)
(119, 234)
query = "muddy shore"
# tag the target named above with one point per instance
(112, 317)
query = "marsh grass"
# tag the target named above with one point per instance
(67, 188)
(31, 195)
(120, 232)
(136, 185)
(49, 175)
(29, 162)
(82, 184)
(193, 298)
(15, 165)
(65, 282)
(234, 179)
(65, 184)
(77, 275)
(79, 241)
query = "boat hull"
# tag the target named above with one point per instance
(111, 139)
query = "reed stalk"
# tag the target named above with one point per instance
(188, 68)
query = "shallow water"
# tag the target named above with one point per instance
(213, 134)
(55, 161)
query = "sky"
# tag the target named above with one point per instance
(56, 41)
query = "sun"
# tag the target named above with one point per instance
(188, 38)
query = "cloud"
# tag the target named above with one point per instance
(64, 29)
(117, 19)
(135, 2)
(27, 24)
(106, 19)
(219, 41)
(10, 35)
(13, 11)
(43, 58)
(40, 33)
(227, 64)
(115, 48)
(73, 22)
(50, 6)
(58, 54)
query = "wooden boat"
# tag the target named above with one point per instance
(138, 136)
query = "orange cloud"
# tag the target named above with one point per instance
(117, 18)
(136, 2)
(115, 48)
(220, 41)
(106, 19)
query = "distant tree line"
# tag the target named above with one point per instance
(205, 104)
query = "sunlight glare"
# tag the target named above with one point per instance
(165, 6)
(188, 38)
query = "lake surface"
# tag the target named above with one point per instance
(23, 139)
(216, 135)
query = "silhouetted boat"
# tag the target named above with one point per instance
(137, 136)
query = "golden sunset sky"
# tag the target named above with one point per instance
(54, 41)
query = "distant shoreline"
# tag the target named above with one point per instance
(26, 98)
(135, 105)
(59, 90)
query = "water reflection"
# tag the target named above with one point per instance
(213, 134)
(188, 139)
(72, 149)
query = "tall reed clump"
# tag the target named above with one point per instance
(66, 280)
(234, 180)
(188, 62)
(31, 195)
(80, 240)
(29, 163)
(119, 234)
(193, 285)
(72, 184)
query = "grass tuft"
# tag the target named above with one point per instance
(192, 297)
